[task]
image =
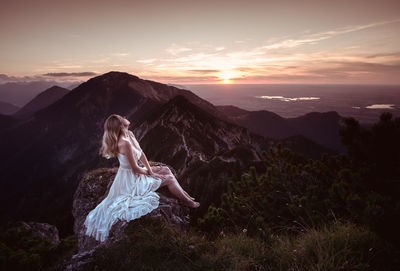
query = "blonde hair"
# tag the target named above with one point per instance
(112, 130)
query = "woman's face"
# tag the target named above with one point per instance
(125, 123)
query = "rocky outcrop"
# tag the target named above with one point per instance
(94, 187)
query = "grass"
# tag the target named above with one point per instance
(153, 245)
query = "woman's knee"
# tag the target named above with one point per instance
(156, 169)
(168, 171)
(163, 170)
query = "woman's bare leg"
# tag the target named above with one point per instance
(174, 186)
(177, 191)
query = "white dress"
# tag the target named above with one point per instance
(131, 196)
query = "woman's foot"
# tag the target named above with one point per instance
(192, 204)
(188, 195)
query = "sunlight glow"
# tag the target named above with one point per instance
(226, 77)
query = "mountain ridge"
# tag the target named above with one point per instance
(272, 125)
(42, 100)
(7, 108)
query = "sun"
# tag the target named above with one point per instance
(226, 77)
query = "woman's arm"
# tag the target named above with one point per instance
(128, 150)
(142, 157)
(134, 140)
(145, 162)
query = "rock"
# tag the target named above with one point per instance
(42, 230)
(77, 261)
(94, 187)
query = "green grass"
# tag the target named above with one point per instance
(153, 245)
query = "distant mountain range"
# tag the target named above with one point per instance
(41, 101)
(319, 127)
(8, 108)
(20, 93)
(48, 152)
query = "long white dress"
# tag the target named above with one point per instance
(131, 196)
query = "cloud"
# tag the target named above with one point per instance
(146, 60)
(68, 74)
(4, 77)
(184, 79)
(175, 49)
(326, 72)
(19, 79)
(204, 71)
(60, 66)
(121, 54)
(100, 60)
(347, 69)
(314, 38)
(386, 55)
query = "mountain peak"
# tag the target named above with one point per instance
(117, 92)
(54, 87)
(42, 100)
(116, 75)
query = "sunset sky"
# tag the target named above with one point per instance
(190, 42)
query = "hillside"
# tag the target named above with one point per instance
(8, 108)
(319, 127)
(40, 101)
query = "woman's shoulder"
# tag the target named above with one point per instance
(123, 145)
(122, 141)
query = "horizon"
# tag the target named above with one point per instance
(228, 42)
(27, 79)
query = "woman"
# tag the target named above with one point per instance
(132, 193)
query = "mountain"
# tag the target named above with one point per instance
(74, 85)
(20, 93)
(207, 152)
(319, 127)
(119, 89)
(177, 86)
(8, 108)
(7, 122)
(42, 100)
(49, 152)
(193, 132)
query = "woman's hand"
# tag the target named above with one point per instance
(156, 175)
(125, 132)
(130, 134)
(151, 173)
